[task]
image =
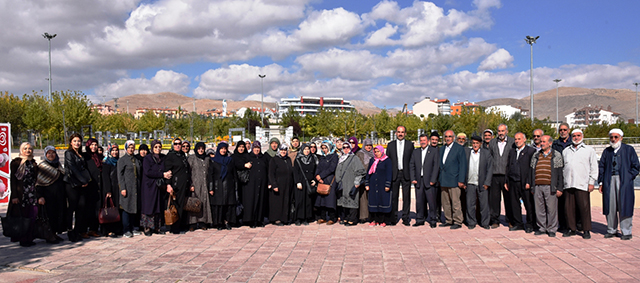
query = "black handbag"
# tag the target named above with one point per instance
(15, 226)
(43, 226)
(243, 176)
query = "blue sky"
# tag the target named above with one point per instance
(386, 52)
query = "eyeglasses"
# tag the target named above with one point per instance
(352, 142)
(177, 143)
(157, 146)
(614, 137)
(564, 130)
(536, 136)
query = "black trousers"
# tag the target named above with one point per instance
(515, 212)
(350, 214)
(77, 199)
(406, 197)
(497, 187)
(530, 207)
(381, 217)
(326, 213)
(426, 202)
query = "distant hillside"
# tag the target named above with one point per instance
(570, 98)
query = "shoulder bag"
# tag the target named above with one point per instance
(171, 213)
(193, 204)
(108, 214)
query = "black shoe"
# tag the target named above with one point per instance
(455, 226)
(528, 230)
(551, 234)
(486, 227)
(433, 225)
(586, 235)
(418, 224)
(228, 226)
(148, 233)
(406, 223)
(445, 225)
(568, 233)
(609, 235)
(626, 237)
(298, 223)
(279, 223)
(350, 223)
(305, 223)
(471, 227)
(538, 233)
(495, 226)
(515, 228)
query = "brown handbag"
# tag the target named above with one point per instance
(108, 214)
(325, 189)
(193, 204)
(171, 213)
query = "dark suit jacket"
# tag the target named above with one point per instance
(520, 167)
(392, 152)
(499, 162)
(431, 165)
(484, 170)
(454, 169)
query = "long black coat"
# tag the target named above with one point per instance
(303, 174)
(254, 192)
(110, 184)
(327, 170)
(281, 177)
(151, 196)
(176, 162)
(224, 190)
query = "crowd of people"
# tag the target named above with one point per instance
(327, 183)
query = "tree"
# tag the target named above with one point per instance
(12, 111)
(35, 118)
(149, 122)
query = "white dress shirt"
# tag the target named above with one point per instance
(400, 153)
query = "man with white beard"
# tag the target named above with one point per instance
(580, 174)
(617, 169)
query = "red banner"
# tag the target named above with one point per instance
(5, 158)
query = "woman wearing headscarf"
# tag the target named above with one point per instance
(153, 189)
(110, 190)
(274, 145)
(78, 179)
(349, 176)
(304, 169)
(186, 147)
(24, 196)
(253, 193)
(325, 173)
(180, 183)
(50, 185)
(200, 178)
(241, 163)
(94, 201)
(129, 173)
(281, 181)
(365, 154)
(294, 149)
(353, 141)
(378, 182)
(223, 188)
(314, 149)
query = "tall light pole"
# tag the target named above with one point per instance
(636, 84)
(557, 117)
(262, 100)
(531, 40)
(49, 37)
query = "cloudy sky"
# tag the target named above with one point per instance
(387, 52)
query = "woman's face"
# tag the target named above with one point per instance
(186, 147)
(283, 153)
(115, 152)
(377, 153)
(177, 145)
(368, 147)
(27, 150)
(274, 145)
(241, 148)
(51, 155)
(346, 150)
(131, 149)
(325, 149)
(256, 150)
(93, 147)
(306, 151)
(143, 152)
(157, 148)
(201, 150)
(223, 151)
(313, 149)
(76, 143)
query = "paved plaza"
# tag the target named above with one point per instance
(321, 253)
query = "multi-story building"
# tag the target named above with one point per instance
(428, 106)
(456, 109)
(104, 109)
(169, 113)
(592, 115)
(311, 105)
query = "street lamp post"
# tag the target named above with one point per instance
(262, 99)
(636, 84)
(557, 116)
(531, 40)
(49, 37)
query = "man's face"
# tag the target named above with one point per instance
(434, 141)
(537, 134)
(520, 140)
(401, 132)
(544, 143)
(448, 137)
(487, 136)
(614, 138)
(576, 137)
(502, 132)
(424, 142)
(461, 140)
(475, 145)
(564, 131)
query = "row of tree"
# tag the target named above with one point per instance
(46, 119)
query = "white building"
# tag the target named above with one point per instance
(268, 112)
(506, 110)
(592, 115)
(311, 105)
(428, 106)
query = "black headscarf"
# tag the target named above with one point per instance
(238, 145)
(199, 145)
(223, 160)
(306, 159)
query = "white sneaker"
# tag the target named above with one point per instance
(128, 235)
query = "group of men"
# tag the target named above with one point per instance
(552, 179)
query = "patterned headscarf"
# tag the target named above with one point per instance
(374, 166)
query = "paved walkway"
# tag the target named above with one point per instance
(321, 253)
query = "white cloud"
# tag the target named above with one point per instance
(163, 81)
(258, 97)
(500, 59)
(381, 37)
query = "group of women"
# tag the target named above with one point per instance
(248, 187)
